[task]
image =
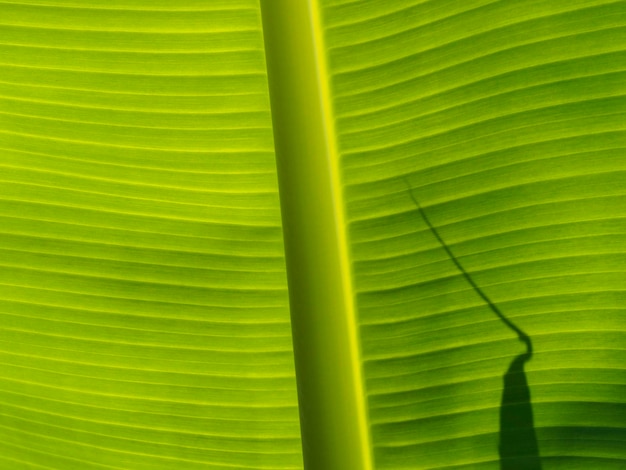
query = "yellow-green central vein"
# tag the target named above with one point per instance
(341, 234)
(333, 411)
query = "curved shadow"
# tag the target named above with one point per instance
(518, 446)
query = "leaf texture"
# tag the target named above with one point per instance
(504, 121)
(477, 169)
(144, 319)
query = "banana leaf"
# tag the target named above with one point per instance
(324, 234)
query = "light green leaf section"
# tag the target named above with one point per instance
(144, 318)
(506, 118)
(474, 163)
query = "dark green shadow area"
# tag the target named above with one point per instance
(518, 440)
(518, 446)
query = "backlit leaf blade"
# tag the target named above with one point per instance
(470, 193)
(144, 318)
(504, 120)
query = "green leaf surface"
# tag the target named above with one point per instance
(504, 122)
(449, 239)
(144, 317)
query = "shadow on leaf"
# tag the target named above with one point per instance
(518, 446)
(518, 441)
